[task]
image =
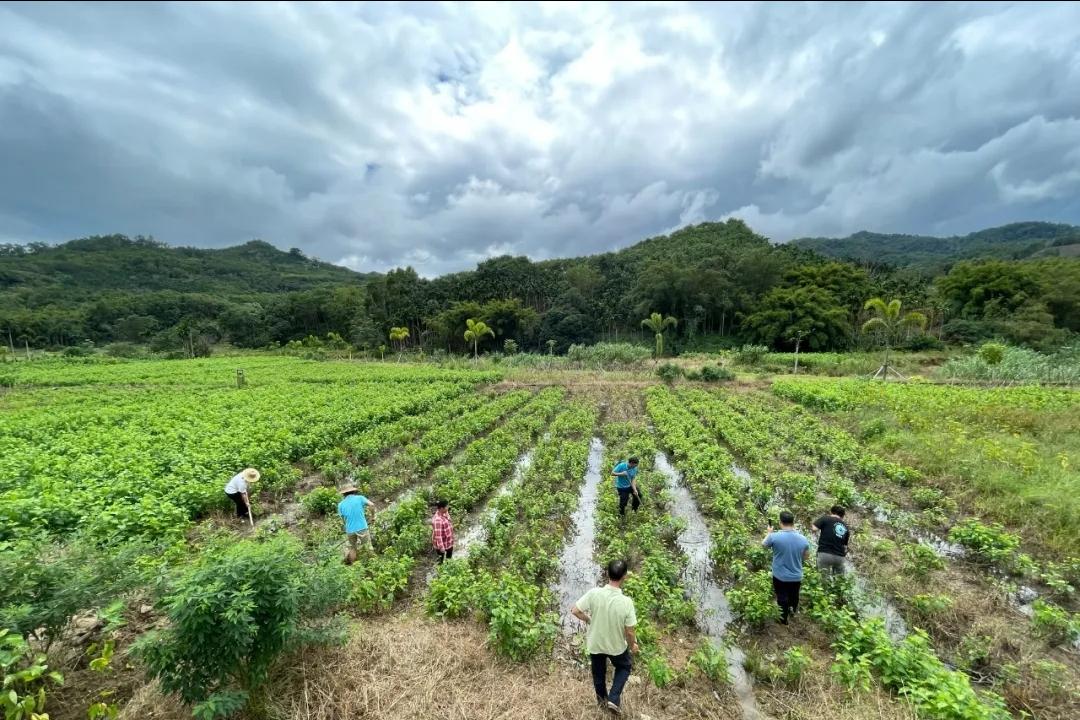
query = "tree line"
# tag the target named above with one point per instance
(721, 283)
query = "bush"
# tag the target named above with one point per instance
(920, 343)
(716, 373)
(77, 351)
(1053, 623)
(750, 354)
(321, 501)
(123, 350)
(669, 372)
(753, 599)
(231, 614)
(988, 543)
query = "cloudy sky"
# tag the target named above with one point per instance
(437, 135)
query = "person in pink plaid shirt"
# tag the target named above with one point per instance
(442, 532)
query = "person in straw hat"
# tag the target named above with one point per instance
(237, 490)
(352, 509)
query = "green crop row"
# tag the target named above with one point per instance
(402, 533)
(909, 667)
(505, 579)
(120, 464)
(647, 541)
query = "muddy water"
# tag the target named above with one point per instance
(578, 571)
(477, 531)
(713, 612)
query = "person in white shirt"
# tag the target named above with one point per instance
(237, 490)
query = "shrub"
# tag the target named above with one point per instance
(716, 373)
(920, 560)
(919, 343)
(231, 614)
(928, 606)
(796, 663)
(992, 353)
(988, 543)
(454, 591)
(321, 501)
(753, 599)
(750, 354)
(669, 372)
(605, 355)
(1053, 623)
(711, 661)
(77, 351)
(26, 677)
(519, 628)
(123, 350)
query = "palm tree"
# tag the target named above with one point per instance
(890, 323)
(475, 330)
(551, 347)
(399, 335)
(658, 323)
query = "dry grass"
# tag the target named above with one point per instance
(406, 666)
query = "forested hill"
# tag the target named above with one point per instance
(1013, 242)
(717, 279)
(83, 268)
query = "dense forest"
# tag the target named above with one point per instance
(723, 283)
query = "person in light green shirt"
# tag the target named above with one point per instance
(611, 618)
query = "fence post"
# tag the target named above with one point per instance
(240, 382)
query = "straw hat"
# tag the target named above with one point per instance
(347, 489)
(251, 475)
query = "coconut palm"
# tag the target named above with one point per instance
(658, 324)
(399, 335)
(475, 330)
(889, 322)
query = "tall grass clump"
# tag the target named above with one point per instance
(1002, 363)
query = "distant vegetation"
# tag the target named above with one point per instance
(722, 284)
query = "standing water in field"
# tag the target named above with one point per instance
(578, 571)
(713, 611)
(477, 531)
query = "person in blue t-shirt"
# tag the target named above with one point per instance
(790, 550)
(625, 474)
(352, 509)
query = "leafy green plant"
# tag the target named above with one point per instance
(711, 661)
(928, 606)
(454, 590)
(669, 372)
(796, 663)
(519, 627)
(231, 614)
(920, 560)
(26, 679)
(752, 598)
(1053, 623)
(659, 671)
(987, 543)
(321, 501)
(657, 323)
(750, 355)
(716, 373)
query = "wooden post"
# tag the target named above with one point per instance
(240, 382)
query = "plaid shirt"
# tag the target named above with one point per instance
(442, 531)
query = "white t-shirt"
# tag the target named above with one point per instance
(237, 485)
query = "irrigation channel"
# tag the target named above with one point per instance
(713, 611)
(578, 569)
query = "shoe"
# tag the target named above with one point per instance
(614, 708)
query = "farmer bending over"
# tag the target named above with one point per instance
(625, 474)
(237, 490)
(351, 509)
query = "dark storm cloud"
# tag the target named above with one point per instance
(438, 135)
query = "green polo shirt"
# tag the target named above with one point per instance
(610, 612)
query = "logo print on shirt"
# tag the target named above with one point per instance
(839, 529)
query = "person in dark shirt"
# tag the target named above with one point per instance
(833, 536)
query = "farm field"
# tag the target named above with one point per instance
(119, 558)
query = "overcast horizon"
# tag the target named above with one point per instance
(431, 135)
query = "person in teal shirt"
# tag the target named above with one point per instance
(625, 474)
(352, 509)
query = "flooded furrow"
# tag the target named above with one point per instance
(477, 530)
(713, 612)
(578, 571)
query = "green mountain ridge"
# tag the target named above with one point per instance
(1015, 241)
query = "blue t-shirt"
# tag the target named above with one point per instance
(352, 509)
(623, 481)
(788, 547)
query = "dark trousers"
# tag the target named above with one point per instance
(445, 554)
(624, 497)
(787, 596)
(241, 508)
(599, 675)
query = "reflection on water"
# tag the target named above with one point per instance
(578, 571)
(713, 611)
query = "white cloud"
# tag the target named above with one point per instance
(439, 135)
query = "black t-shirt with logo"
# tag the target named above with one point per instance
(834, 535)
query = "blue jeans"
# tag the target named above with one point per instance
(599, 675)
